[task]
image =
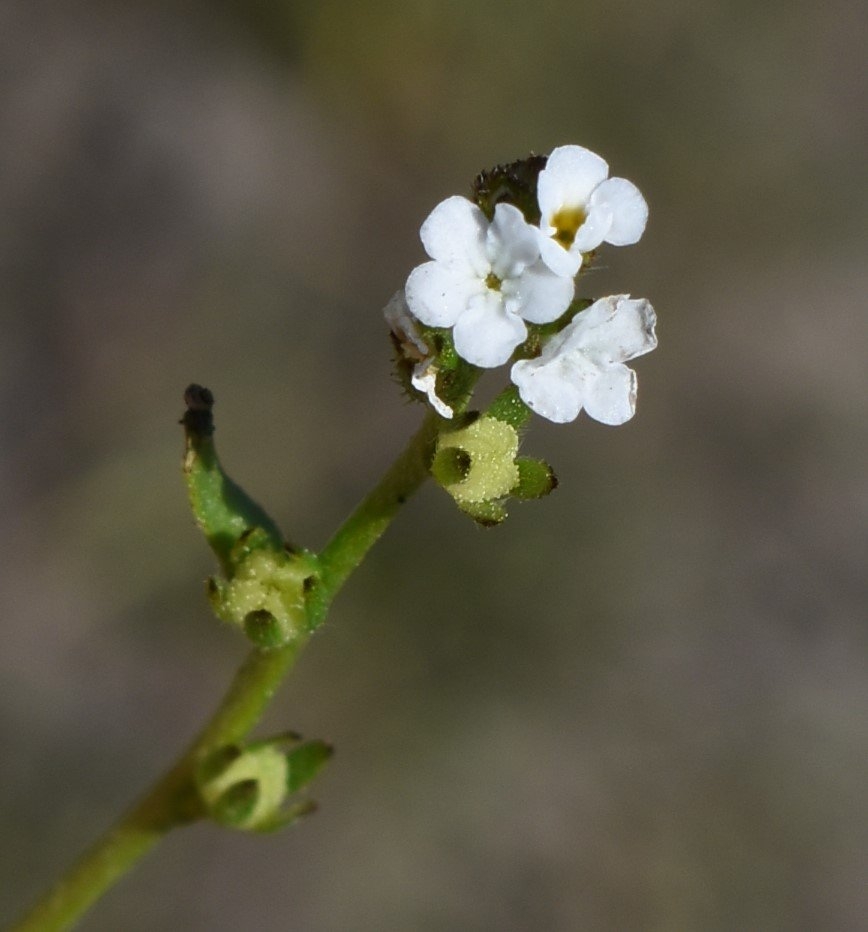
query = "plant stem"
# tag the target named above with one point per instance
(346, 550)
(173, 800)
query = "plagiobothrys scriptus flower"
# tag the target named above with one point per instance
(583, 365)
(485, 280)
(581, 207)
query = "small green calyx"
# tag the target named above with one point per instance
(249, 788)
(490, 446)
(266, 596)
(479, 466)
(509, 407)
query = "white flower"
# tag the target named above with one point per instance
(424, 377)
(583, 365)
(582, 207)
(485, 280)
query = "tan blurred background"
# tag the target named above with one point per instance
(639, 705)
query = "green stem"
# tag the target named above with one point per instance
(173, 800)
(346, 550)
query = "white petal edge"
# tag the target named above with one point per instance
(596, 227)
(454, 234)
(612, 330)
(438, 295)
(611, 397)
(628, 207)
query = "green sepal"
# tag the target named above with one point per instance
(266, 596)
(485, 514)
(266, 631)
(536, 478)
(450, 465)
(287, 817)
(456, 378)
(305, 762)
(235, 807)
(222, 509)
(509, 408)
(243, 788)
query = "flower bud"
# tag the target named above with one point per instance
(222, 509)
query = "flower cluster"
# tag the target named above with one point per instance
(500, 286)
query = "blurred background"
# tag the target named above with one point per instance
(639, 704)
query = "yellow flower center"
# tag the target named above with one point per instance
(493, 282)
(566, 223)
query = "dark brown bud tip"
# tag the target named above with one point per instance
(197, 419)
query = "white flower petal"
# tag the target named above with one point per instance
(629, 210)
(554, 390)
(485, 334)
(582, 366)
(539, 296)
(596, 227)
(611, 397)
(570, 175)
(559, 260)
(454, 234)
(612, 330)
(511, 242)
(438, 295)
